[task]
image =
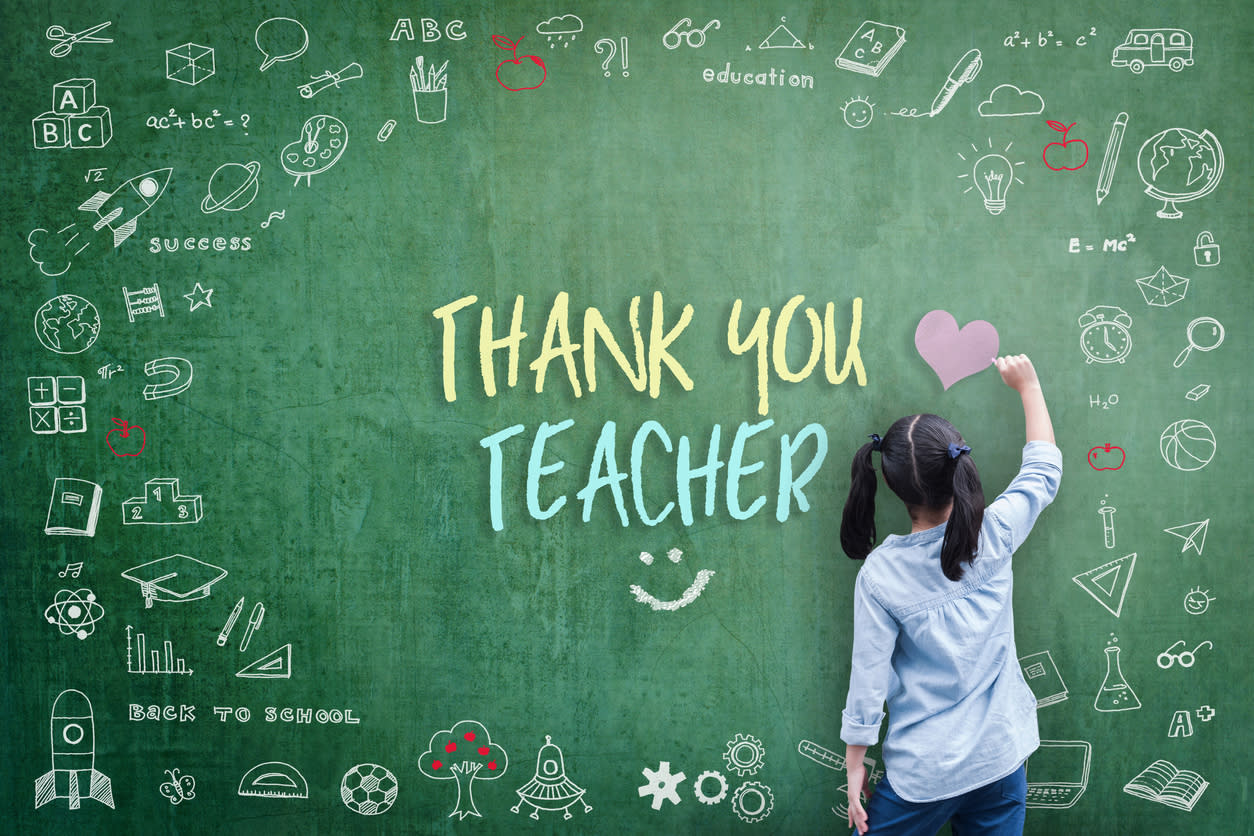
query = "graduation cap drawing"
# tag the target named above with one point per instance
(176, 579)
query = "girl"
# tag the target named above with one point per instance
(934, 631)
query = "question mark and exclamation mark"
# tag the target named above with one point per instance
(619, 49)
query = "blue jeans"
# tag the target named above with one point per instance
(995, 809)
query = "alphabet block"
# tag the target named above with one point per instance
(92, 129)
(74, 95)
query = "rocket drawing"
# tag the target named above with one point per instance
(120, 209)
(73, 775)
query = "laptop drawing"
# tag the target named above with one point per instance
(1058, 773)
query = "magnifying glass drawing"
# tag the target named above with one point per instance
(1205, 334)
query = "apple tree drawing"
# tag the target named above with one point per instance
(465, 754)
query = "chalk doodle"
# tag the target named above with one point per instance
(619, 49)
(142, 660)
(704, 797)
(1042, 676)
(429, 85)
(67, 324)
(173, 119)
(322, 142)
(146, 300)
(190, 63)
(1107, 513)
(1108, 583)
(550, 789)
(753, 801)
(1204, 334)
(274, 779)
(1205, 251)
(1197, 601)
(1185, 658)
(1193, 534)
(237, 185)
(179, 371)
(280, 39)
(368, 789)
(254, 622)
(560, 27)
(464, 753)
(76, 120)
(744, 754)
(1115, 694)
(1178, 165)
(65, 39)
(661, 784)
(162, 503)
(1009, 100)
(1163, 289)
(521, 76)
(1048, 39)
(177, 579)
(782, 37)
(1064, 164)
(1164, 782)
(1172, 48)
(1110, 159)
(75, 612)
(327, 78)
(274, 216)
(858, 112)
(277, 664)
(57, 404)
(73, 775)
(871, 47)
(1187, 444)
(230, 622)
(1105, 334)
(1198, 392)
(689, 595)
(684, 31)
(992, 174)
(125, 440)
(179, 788)
(199, 297)
(1058, 773)
(964, 72)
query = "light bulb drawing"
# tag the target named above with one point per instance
(992, 174)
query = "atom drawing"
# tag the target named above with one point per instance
(75, 612)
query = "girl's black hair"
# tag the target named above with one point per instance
(917, 465)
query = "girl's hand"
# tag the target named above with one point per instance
(858, 784)
(1017, 372)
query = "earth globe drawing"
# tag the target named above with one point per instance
(1179, 165)
(67, 324)
(232, 187)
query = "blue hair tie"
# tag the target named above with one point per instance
(956, 450)
(877, 443)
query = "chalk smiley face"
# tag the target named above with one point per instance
(689, 595)
(858, 112)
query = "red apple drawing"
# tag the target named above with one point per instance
(1058, 126)
(524, 73)
(1098, 461)
(125, 439)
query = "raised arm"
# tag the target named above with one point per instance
(1018, 373)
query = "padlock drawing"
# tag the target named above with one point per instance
(1206, 253)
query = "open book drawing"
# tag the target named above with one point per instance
(1161, 781)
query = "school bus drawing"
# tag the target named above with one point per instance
(1143, 48)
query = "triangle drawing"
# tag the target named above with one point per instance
(1108, 583)
(1193, 534)
(274, 665)
(782, 38)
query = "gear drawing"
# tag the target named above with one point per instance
(662, 784)
(753, 801)
(700, 793)
(744, 754)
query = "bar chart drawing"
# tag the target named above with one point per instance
(143, 659)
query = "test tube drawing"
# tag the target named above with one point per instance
(1108, 523)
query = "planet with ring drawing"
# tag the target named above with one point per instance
(232, 187)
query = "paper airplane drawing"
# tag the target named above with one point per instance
(1193, 534)
(73, 775)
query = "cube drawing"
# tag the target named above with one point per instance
(189, 64)
(74, 95)
(52, 130)
(92, 129)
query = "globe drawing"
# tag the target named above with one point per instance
(1179, 165)
(67, 324)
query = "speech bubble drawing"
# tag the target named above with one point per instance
(953, 352)
(280, 39)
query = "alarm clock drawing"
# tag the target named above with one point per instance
(1105, 337)
(322, 141)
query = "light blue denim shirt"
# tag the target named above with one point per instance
(941, 653)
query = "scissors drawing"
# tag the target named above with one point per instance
(66, 40)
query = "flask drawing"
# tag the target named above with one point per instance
(1115, 694)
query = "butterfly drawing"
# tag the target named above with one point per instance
(179, 787)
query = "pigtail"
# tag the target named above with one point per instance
(962, 534)
(857, 524)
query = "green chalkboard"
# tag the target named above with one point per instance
(435, 417)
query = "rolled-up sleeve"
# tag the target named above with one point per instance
(871, 674)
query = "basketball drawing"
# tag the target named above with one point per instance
(1187, 445)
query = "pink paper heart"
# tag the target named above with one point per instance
(953, 352)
